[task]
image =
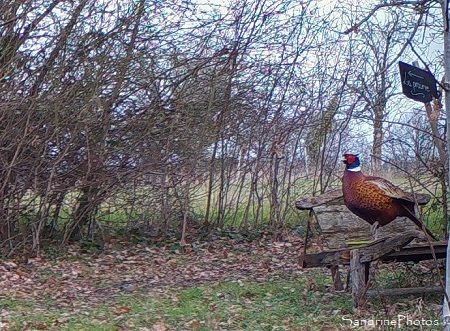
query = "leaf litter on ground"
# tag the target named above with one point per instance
(79, 280)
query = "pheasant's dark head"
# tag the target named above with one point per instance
(351, 161)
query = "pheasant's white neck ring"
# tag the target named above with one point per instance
(356, 169)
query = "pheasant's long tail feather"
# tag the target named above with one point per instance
(419, 223)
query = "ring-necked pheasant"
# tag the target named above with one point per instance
(374, 199)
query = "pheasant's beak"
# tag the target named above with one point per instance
(343, 159)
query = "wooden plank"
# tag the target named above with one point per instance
(417, 253)
(327, 197)
(341, 256)
(405, 291)
(339, 225)
(326, 258)
(385, 246)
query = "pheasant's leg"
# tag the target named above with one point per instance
(374, 229)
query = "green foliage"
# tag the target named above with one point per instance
(434, 216)
(92, 246)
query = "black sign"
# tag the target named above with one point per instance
(417, 84)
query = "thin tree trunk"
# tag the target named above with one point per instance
(378, 137)
(445, 4)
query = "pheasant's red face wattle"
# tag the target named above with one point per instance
(350, 158)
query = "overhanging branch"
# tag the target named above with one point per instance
(355, 27)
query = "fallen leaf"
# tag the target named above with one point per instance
(121, 310)
(159, 327)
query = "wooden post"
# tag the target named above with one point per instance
(336, 275)
(358, 276)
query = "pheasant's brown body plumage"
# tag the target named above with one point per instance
(375, 199)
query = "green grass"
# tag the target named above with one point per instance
(247, 306)
(231, 305)
(302, 302)
(282, 305)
